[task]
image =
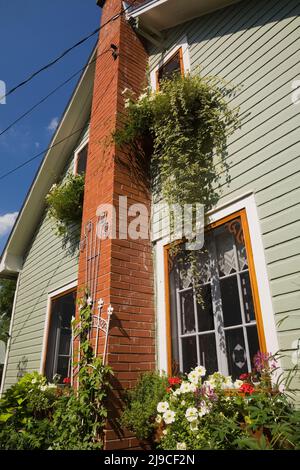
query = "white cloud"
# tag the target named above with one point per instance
(53, 124)
(6, 222)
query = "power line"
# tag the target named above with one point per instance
(67, 51)
(51, 93)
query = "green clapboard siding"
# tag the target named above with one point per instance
(256, 45)
(48, 266)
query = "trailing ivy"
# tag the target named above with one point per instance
(37, 415)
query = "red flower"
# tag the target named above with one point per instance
(67, 380)
(168, 389)
(174, 381)
(244, 376)
(247, 388)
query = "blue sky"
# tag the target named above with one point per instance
(32, 33)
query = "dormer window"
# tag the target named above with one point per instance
(80, 160)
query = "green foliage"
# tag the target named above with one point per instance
(198, 412)
(141, 401)
(65, 203)
(185, 127)
(7, 292)
(79, 416)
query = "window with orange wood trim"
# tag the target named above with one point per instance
(220, 331)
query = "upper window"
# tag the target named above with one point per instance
(59, 346)
(220, 331)
(81, 159)
(171, 67)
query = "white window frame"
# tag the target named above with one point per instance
(76, 153)
(58, 292)
(246, 202)
(181, 43)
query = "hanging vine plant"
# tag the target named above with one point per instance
(65, 202)
(184, 127)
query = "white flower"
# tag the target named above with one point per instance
(162, 406)
(194, 377)
(43, 388)
(165, 432)
(194, 426)
(204, 409)
(143, 96)
(89, 301)
(183, 402)
(34, 381)
(177, 392)
(238, 383)
(180, 446)
(127, 103)
(191, 414)
(200, 370)
(158, 419)
(169, 416)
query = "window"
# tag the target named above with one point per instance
(171, 67)
(59, 347)
(81, 159)
(223, 331)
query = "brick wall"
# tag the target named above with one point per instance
(125, 272)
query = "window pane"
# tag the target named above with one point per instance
(81, 160)
(247, 297)
(252, 341)
(230, 301)
(189, 354)
(63, 367)
(170, 68)
(208, 352)
(187, 312)
(205, 310)
(236, 353)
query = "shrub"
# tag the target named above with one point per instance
(140, 404)
(65, 203)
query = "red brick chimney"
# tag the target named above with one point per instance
(125, 275)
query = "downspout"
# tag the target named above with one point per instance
(10, 335)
